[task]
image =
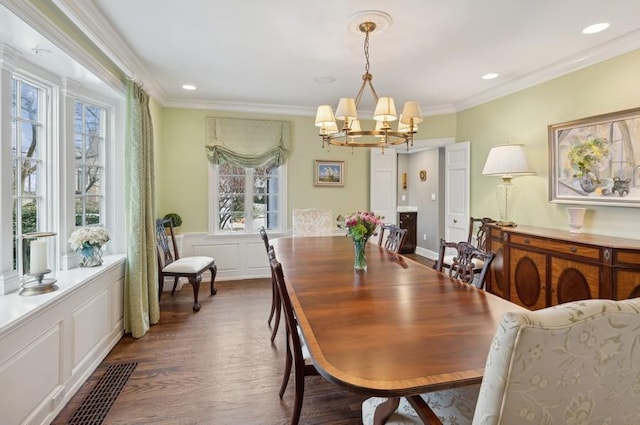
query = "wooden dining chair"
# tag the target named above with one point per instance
(465, 261)
(275, 296)
(477, 236)
(572, 363)
(395, 237)
(478, 231)
(170, 264)
(296, 348)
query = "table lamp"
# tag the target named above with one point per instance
(506, 161)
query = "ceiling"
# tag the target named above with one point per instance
(266, 56)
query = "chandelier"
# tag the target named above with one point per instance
(351, 134)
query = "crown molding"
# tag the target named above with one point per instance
(616, 47)
(256, 108)
(87, 16)
(8, 57)
(91, 21)
(36, 17)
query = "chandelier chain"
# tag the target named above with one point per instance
(366, 52)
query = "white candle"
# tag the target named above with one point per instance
(38, 263)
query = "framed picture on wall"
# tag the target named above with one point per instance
(328, 173)
(596, 160)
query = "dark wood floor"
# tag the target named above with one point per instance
(217, 366)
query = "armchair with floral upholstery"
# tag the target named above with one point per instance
(575, 363)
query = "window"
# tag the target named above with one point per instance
(248, 198)
(89, 140)
(28, 147)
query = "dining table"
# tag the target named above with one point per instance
(399, 328)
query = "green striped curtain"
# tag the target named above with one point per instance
(141, 308)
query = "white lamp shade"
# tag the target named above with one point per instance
(324, 116)
(405, 127)
(379, 125)
(355, 126)
(331, 128)
(346, 109)
(411, 111)
(385, 110)
(506, 160)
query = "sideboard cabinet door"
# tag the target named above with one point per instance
(573, 281)
(543, 267)
(528, 278)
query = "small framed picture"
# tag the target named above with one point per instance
(328, 173)
(423, 175)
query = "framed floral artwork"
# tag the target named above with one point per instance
(596, 160)
(328, 173)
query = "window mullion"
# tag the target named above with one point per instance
(248, 200)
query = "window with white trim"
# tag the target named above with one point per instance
(89, 142)
(29, 143)
(248, 198)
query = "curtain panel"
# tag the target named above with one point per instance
(248, 143)
(141, 306)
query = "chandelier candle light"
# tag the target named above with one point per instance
(351, 134)
(506, 161)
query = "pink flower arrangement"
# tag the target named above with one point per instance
(360, 225)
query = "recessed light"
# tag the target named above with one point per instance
(592, 29)
(324, 80)
(188, 87)
(490, 76)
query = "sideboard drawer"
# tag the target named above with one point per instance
(495, 232)
(628, 258)
(556, 246)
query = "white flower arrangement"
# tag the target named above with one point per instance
(89, 236)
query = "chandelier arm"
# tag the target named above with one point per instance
(375, 95)
(361, 91)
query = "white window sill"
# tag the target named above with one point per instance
(15, 308)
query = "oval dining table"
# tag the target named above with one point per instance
(400, 328)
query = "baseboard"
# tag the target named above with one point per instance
(427, 253)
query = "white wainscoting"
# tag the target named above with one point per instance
(51, 343)
(237, 256)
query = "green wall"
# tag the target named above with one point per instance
(183, 178)
(523, 117)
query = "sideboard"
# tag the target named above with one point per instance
(538, 267)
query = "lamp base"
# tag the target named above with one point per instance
(506, 224)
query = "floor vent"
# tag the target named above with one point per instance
(96, 405)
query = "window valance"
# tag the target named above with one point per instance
(248, 143)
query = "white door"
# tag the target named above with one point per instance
(456, 194)
(382, 195)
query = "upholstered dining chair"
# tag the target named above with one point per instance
(275, 297)
(395, 237)
(170, 264)
(465, 261)
(575, 363)
(313, 222)
(296, 348)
